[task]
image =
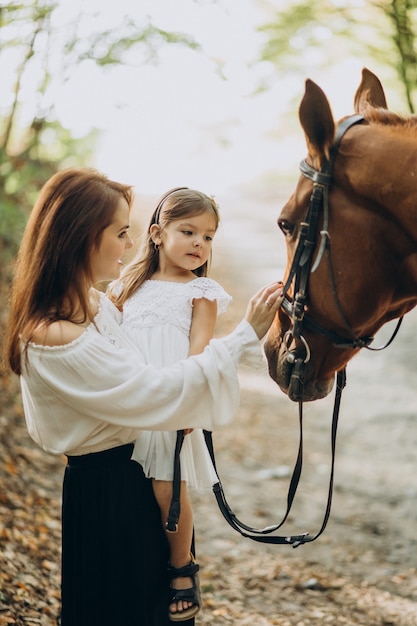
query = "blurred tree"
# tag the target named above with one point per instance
(403, 17)
(39, 51)
(318, 34)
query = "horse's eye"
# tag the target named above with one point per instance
(286, 227)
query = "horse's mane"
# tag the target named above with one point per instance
(387, 118)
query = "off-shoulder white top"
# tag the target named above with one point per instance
(96, 392)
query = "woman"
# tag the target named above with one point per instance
(87, 393)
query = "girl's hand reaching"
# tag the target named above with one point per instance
(263, 307)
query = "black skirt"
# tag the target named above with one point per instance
(114, 549)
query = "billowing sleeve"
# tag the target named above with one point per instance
(111, 385)
(211, 290)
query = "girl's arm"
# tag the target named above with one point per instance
(202, 328)
(202, 324)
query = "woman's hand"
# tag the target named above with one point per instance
(263, 307)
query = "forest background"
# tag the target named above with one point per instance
(245, 143)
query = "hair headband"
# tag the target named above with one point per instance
(161, 203)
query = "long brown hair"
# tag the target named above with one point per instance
(53, 274)
(175, 204)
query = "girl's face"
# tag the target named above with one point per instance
(106, 261)
(185, 244)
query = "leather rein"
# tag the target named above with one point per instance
(301, 268)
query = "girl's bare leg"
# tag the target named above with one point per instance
(179, 542)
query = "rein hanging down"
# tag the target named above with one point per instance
(301, 268)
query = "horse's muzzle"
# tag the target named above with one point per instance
(295, 376)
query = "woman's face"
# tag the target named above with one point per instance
(106, 261)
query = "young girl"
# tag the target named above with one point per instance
(169, 311)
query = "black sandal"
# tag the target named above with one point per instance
(191, 594)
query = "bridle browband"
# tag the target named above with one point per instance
(301, 268)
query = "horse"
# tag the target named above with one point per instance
(350, 230)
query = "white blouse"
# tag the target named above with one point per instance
(96, 392)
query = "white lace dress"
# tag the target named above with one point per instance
(157, 318)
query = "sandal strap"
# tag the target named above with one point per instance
(183, 572)
(186, 595)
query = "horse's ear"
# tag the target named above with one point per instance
(370, 92)
(317, 121)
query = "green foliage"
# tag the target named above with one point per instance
(322, 33)
(22, 175)
(403, 17)
(319, 33)
(125, 39)
(292, 29)
(43, 53)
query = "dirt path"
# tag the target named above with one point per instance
(361, 572)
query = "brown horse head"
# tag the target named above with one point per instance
(365, 272)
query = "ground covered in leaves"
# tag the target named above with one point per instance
(360, 572)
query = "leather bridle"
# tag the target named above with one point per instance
(301, 268)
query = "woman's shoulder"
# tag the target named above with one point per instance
(58, 333)
(64, 332)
